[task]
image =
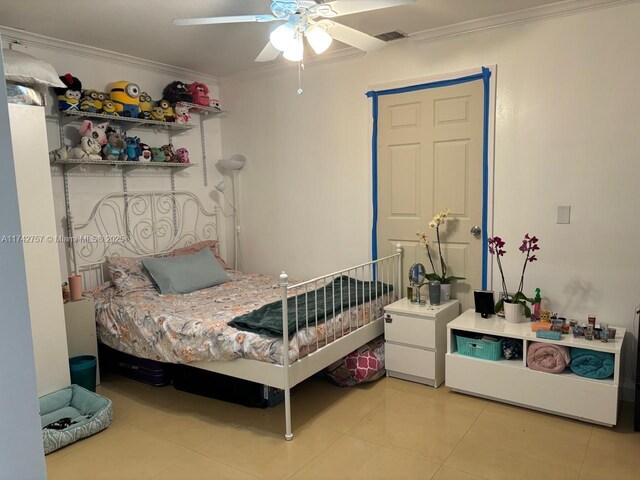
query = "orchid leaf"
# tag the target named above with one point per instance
(433, 277)
(499, 305)
(527, 310)
(451, 278)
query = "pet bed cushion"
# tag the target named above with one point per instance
(363, 365)
(591, 363)
(22, 68)
(90, 413)
(186, 273)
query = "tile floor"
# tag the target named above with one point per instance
(387, 430)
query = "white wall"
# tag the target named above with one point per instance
(21, 451)
(566, 134)
(96, 68)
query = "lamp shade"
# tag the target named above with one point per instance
(234, 162)
(318, 38)
(282, 38)
(295, 51)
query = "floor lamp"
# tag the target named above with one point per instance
(232, 165)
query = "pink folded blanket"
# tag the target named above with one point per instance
(547, 357)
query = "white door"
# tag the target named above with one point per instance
(430, 159)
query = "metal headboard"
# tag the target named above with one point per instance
(138, 224)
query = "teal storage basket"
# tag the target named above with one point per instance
(83, 371)
(477, 348)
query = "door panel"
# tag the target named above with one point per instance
(430, 159)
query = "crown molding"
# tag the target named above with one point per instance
(563, 8)
(10, 34)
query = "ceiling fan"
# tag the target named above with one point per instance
(307, 19)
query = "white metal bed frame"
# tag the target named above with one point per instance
(156, 222)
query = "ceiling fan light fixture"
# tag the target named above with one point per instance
(295, 52)
(318, 38)
(283, 37)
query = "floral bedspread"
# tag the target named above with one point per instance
(193, 327)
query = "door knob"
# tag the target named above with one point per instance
(476, 231)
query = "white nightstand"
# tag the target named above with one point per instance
(416, 340)
(80, 319)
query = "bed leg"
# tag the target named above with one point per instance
(287, 415)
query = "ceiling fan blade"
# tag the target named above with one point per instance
(231, 19)
(353, 37)
(268, 53)
(347, 7)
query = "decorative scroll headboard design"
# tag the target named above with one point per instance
(137, 224)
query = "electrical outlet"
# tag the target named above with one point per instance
(563, 214)
(18, 47)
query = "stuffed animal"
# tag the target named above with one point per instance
(126, 97)
(177, 92)
(182, 113)
(115, 149)
(158, 155)
(69, 97)
(214, 103)
(146, 155)
(109, 108)
(200, 93)
(90, 101)
(183, 154)
(97, 133)
(145, 106)
(88, 149)
(169, 153)
(169, 115)
(157, 114)
(133, 148)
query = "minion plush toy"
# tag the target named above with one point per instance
(91, 102)
(69, 97)
(126, 97)
(145, 106)
(169, 114)
(157, 114)
(109, 108)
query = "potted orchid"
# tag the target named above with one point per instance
(515, 304)
(444, 279)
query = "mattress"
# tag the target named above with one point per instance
(194, 327)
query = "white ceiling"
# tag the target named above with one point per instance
(143, 28)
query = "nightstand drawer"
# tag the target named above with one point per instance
(416, 331)
(410, 361)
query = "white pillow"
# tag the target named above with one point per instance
(23, 68)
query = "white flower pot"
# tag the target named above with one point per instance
(513, 312)
(445, 292)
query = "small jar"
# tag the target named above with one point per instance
(592, 320)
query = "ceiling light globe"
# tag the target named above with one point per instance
(283, 37)
(318, 38)
(295, 52)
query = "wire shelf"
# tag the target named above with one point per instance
(134, 122)
(207, 112)
(126, 163)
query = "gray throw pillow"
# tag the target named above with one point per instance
(186, 273)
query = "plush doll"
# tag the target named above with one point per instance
(183, 154)
(115, 149)
(169, 115)
(157, 114)
(214, 103)
(133, 148)
(90, 101)
(109, 108)
(69, 97)
(97, 133)
(158, 155)
(145, 106)
(146, 155)
(200, 93)
(88, 149)
(169, 153)
(126, 98)
(182, 113)
(177, 92)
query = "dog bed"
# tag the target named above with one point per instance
(71, 414)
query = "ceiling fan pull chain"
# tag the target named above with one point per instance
(300, 68)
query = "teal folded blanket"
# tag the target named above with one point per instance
(591, 363)
(342, 293)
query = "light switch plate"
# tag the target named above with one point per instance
(563, 214)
